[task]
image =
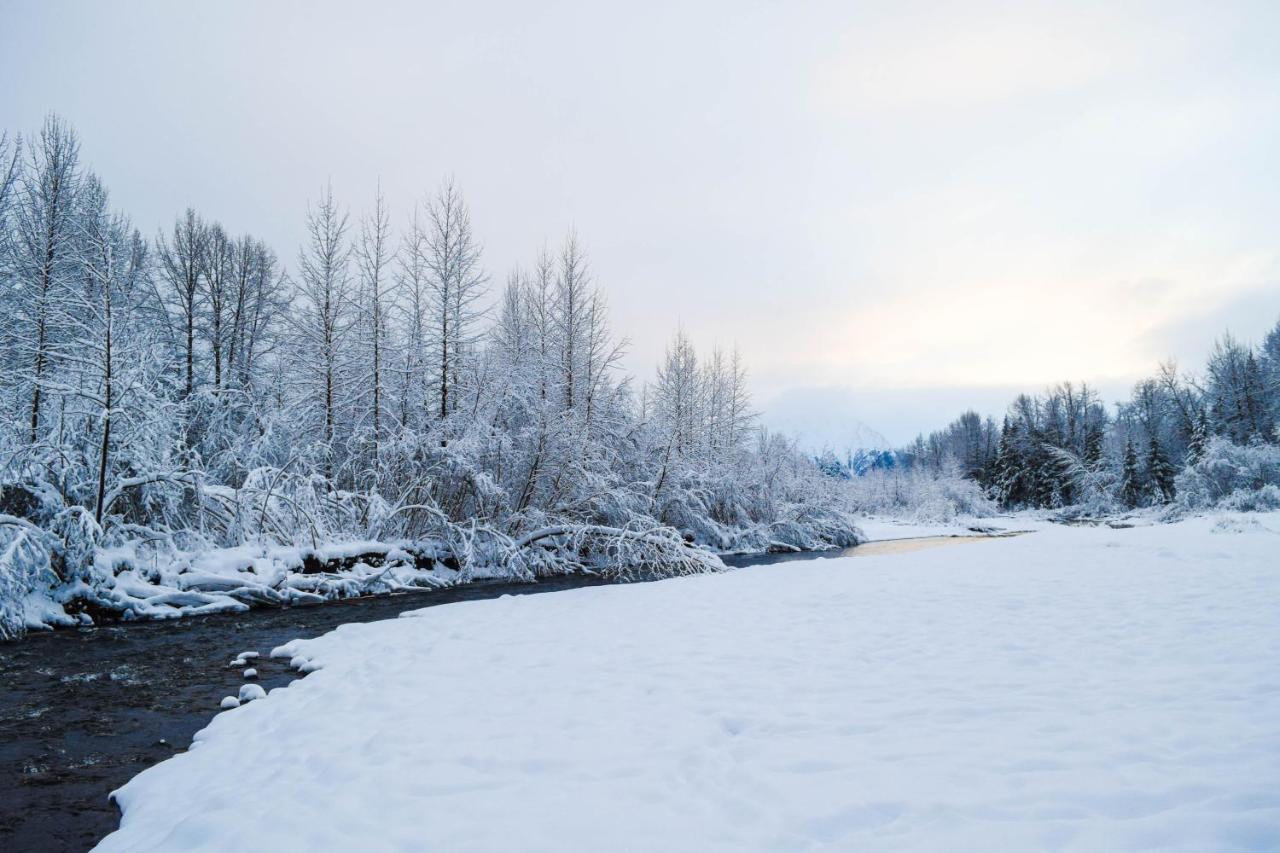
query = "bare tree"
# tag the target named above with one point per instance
(602, 354)
(375, 257)
(99, 342)
(679, 395)
(260, 306)
(572, 304)
(182, 271)
(219, 294)
(412, 310)
(324, 319)
(740, 414)
(43, 254)
(456, 286)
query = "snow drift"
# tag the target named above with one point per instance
(1072, 689)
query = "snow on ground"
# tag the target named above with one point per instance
(1074, 688)
(879, 528)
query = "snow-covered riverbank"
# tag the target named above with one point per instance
(1086, 688)
(128, 583)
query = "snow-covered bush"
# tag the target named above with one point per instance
(918, 494)
(26, 567)
(769, 497)
(1264, 499)
(1231, 476)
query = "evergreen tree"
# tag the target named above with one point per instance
(1007, 466)
(1130, 477)
(1049, 488)
(1199, 437)
(1092, 445)
(1160, 472)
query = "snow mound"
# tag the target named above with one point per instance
(250, 692)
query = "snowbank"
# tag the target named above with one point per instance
(128, 585)
(134, 582)
(1079, 688)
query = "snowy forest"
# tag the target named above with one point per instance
(195, 421)
(169, 395)
(1180, 441)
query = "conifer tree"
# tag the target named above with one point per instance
(1093, 445)
(1160, 472)
(1007, 466)
(1130, 477)
(1199, 437)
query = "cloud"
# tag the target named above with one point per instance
(939, 61)
(1188, 338)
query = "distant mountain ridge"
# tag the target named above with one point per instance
(825, 424)
(856, 463)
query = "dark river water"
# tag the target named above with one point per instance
(83, 711)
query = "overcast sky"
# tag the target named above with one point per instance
(892, 208)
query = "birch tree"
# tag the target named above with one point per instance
(375, 257)
(456, 285)
(571, 307)
(256, 304)
(218, 295)
(43, 259)
(181, 261)
(412, 310)
(103, 340)
(678, 395)
(324, 318)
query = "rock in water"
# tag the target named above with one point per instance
(249, 692)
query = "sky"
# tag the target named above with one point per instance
(895, 210)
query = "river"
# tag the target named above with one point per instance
(83, 711)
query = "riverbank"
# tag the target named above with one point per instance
(85, 710)
(88, 708)
(1081, 688)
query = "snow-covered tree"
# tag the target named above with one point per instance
(1160, 473)
(182, 270)
(43, 268)
(455, 286)
(375, 257)
(321, 323)
(1130, 486)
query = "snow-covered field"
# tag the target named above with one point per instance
(1079, 688)
(877, 528)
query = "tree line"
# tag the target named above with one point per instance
(191, 389)
(1066, 448)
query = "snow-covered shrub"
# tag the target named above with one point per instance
(26, 555)
(1264, 499)
(918, 494)
(1231, 476)
(77, 535)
